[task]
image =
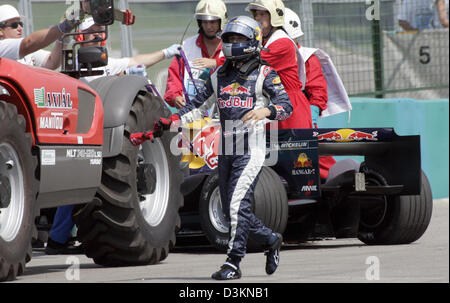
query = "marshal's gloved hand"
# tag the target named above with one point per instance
(73, 17)
(315, 112)
(171, 51)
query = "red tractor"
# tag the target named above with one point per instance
(65, 142)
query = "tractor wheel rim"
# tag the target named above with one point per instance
(154, 205)
(215, 211)
(11, 217)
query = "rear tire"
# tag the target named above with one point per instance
(397, 219)
(270, 205)
(17, 191)
(133, 221)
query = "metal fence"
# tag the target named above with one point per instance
(373, 54)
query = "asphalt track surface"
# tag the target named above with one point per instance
(327, 261)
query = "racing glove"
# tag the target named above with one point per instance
(315, 111)
(139, 138)
(164, 124)
(171, 51)
(158, 128)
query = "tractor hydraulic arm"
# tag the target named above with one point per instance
(124, 16)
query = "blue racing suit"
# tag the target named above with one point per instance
(242, 149)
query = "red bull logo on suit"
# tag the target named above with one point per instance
(235, 102)
(234, 89)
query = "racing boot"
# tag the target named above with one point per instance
(273, 253)
(228, 271)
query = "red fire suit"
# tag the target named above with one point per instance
(316, 92)
(283, 58)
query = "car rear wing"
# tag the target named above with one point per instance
(398, 156)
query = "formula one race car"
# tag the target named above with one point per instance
(386, 199)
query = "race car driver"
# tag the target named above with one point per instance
(241, 86)
(211, 16)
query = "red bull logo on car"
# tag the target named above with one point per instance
(303, 166)
(346, 135)
(206, 145)
(302, 161)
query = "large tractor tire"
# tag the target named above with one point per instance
(134, 217)
(270, 205)
(17, 193)
(395, 219)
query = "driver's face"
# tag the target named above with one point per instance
(236, 38)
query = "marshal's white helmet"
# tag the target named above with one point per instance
(212, 10)
(8, 12)
(87, 23)
(274, 7)
(292, 24)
